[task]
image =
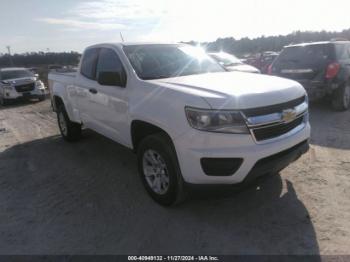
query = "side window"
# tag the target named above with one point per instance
(108, 62)
(88, 64)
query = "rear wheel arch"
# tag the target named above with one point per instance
(70, 131)
(57, 102)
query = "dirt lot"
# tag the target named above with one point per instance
(86, 198)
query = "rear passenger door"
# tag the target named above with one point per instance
(111, 102)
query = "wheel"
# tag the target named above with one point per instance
(159, 170)
(341, 98)
(70, 131)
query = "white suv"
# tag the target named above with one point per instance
(18, 83)
(189, 120)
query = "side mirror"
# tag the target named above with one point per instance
(111, 79)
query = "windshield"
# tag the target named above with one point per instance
(12, 74)
(226, 59)
(164, 61)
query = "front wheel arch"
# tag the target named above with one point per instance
(141, 129)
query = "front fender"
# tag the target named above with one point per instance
(164, 108)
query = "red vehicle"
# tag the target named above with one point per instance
(263, 61)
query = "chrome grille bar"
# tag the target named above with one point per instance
(276, 118)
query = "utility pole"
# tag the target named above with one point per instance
(10, 56)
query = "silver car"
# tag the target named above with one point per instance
(232, 63)
(16, 83)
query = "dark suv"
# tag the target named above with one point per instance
(323, 68)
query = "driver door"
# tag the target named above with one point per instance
(110, 103)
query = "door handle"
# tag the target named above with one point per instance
(93, 91)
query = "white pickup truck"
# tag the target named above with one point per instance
(188, 120)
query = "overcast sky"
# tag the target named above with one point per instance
(64, 25)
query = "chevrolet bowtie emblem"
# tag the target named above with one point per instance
(289, 115)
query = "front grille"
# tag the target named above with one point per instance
(259, 111)
(25, 88)
(270, 132)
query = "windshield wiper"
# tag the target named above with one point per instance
(233, 64)
(155, 77)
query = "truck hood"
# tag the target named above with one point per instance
(20, 81)
(236, 90)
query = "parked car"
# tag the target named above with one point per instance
(232, 63)
(266, 59)
(188, 120)
(18, 83)
(323, 68)
(262, 61)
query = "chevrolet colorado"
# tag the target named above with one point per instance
(189, 120)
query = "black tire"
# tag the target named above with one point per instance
(70, 131)
(341, 98)
(162, 145)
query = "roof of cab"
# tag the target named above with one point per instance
(147, 43)
(122, 44)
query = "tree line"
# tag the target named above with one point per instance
(39, 59)
(239, 47)
(246, 45)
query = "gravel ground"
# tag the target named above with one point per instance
(86, 198)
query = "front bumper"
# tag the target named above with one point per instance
(13, 94)
(196, 145)
(277, 162)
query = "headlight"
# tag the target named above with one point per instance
(307, 99)
(39, 84)
(221, 121)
